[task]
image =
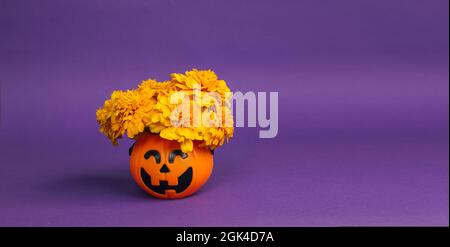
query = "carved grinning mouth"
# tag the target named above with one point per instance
(183, 182)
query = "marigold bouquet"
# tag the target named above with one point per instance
(155, 107)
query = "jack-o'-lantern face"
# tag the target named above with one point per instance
(161, 169)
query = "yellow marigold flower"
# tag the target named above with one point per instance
(124, 112)
(206, 79)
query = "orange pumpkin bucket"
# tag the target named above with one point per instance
(162, 170)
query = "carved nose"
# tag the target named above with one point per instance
(164, 169)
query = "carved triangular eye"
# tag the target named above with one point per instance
(175, 153)
(153, 153)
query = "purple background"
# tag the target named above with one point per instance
(363, 86)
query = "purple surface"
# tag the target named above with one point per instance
(363, 85)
